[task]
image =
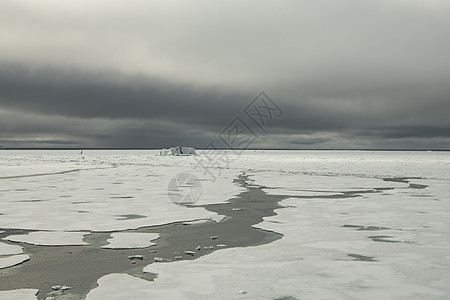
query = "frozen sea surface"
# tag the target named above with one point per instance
(98, 191)
(357, 224)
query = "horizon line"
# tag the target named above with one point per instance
(224, 148)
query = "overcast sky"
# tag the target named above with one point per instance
(345, 73)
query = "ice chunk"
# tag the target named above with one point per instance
(140, 257)
(178, 151)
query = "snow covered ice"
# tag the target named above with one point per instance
(12, 260)
(355, 224)
(49, 238)
(58, 190)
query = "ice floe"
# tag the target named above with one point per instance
(121, 240)
(123, 286)
(6, 249)
(19, 294)
(50, 238)
(9, 261)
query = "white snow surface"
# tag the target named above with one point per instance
(50, 238)
(317, 257)
(9, 261)
(20, 294)
(63, 190)
(6, 249)
(117, 287)
(121, 240)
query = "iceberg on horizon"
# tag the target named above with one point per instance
(178, 151)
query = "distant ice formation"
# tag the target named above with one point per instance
(178, 151)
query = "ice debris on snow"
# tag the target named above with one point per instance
(158, 259)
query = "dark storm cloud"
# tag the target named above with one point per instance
(111, 109)
(27, 129)
(105, 95)
(350, 73)
(408, 132)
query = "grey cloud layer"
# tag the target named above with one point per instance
(141, 74)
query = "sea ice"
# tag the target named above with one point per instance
(178, 151)
(40, 190)
(9, 261)
(6, 249)
(123, 286)
(140, 257)
(121, 240)
(329, 189)
(50, 238)
(19, 294)
(196, 222)
(313, 259)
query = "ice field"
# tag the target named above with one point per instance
(355, 224)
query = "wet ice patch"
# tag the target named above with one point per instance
(9, 261)
(50, 238)
(122, 240)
